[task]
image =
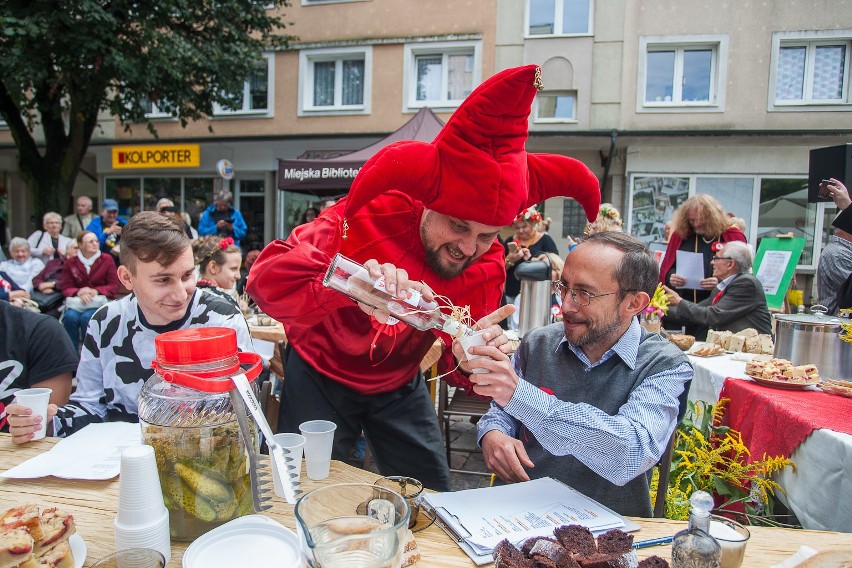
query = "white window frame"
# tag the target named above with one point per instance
(413, 50)
(558, 21)
(810, 40)
(555, 120)
(718, 44)
(156, 113)
(221, 112)
(308, 57)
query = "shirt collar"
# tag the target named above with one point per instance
(724, 283)
(627, 347)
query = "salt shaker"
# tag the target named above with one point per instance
(694, 547)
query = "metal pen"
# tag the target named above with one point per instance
(653, 542)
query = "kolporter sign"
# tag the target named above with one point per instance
(169, 156)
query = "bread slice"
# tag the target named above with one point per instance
(58, 527)
(737, 343)
(16, 547)
(23, 516)
(59, 556)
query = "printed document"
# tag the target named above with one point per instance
(690, 265)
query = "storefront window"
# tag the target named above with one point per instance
(784, 209)
(252, 205)
(158, 188)
(126, 192)
(653, 200)
(197, 195)
(735, 195)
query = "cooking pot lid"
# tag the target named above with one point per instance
(811, 319)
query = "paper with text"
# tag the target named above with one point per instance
(690, 265)
(92, 453)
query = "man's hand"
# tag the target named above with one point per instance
(223, 224)
(397, 284)
(22, 424)
(677, 280)
(838, 193)
(672, 296)
(505, 456)
(708, 283)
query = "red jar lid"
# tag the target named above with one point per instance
(196, 346)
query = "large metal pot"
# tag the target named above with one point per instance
(814, 338)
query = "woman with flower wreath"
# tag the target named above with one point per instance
(699, 225)
(218, 260)
(527, 243)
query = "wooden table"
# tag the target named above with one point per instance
(93, 505)
(274, 333)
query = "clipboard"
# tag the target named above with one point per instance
(549, 490)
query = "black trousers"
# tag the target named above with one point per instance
(401, 426)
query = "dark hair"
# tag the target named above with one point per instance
(149, 236)
(305, 214)
(638, 271)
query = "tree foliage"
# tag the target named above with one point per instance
(66, 63)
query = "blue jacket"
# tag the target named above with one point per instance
(207, 224)
(96, 226)
(7, 280)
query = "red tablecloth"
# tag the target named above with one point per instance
(775, 421)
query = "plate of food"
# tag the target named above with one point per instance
(840, 388)
(46, 537)
(788, 383)
(706, 350)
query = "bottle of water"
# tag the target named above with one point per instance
(350, 278)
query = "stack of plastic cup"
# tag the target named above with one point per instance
(142, 520)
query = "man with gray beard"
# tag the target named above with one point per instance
(593, 400)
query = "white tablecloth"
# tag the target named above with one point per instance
(819, 491)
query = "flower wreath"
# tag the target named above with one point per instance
(529, 214)
(224, 244)
(717, 246)
(611, 214)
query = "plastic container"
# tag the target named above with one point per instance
(187, 416)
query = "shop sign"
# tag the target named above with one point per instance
(166, 156)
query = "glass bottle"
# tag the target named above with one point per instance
(694, 547)
(350, 278)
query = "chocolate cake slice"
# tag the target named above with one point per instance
(577, 539)
(507, 555)
(527, 545)
(615, 541)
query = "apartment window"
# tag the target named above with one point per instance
(152, 110)
(441, 75)
(812, 72)
(335, 81)
(558, 17)
(255, 97)
(682, 73)
(556, 107)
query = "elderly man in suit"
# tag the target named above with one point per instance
(738, 301)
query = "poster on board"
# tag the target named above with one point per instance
(774, 266)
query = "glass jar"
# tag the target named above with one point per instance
(187, 416)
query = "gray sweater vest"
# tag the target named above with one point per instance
(607, 387)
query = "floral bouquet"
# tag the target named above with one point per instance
(658, 306)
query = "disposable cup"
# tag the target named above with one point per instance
(154, 535)
(319, 438)
(132, 558)
(469, 341)
(140, 500)
(37, 401)
(732, 537)
(295, 443)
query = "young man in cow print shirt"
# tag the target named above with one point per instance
(158, 268)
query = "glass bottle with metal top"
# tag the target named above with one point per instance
(694, 547)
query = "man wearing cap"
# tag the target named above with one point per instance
(425, 217)
(107, 228)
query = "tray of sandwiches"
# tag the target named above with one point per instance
(30, 538)
(840, 388)
(782, 374)
(747, 341)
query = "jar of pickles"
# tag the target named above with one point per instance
(188, 417)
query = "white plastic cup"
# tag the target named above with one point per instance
(37, 401)
(155, 535)
(319, 438)
(295, 443)
(469, 341)
(140, 500)
(138, 557)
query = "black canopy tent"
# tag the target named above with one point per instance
(333, 176)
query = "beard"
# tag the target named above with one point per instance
(436, 262)
(596, 332)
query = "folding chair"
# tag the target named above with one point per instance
(459, 404)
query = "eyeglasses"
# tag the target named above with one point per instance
(717, 257)
(580, 297)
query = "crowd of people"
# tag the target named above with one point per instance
(424, 218)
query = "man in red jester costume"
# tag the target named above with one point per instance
(426, 217)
